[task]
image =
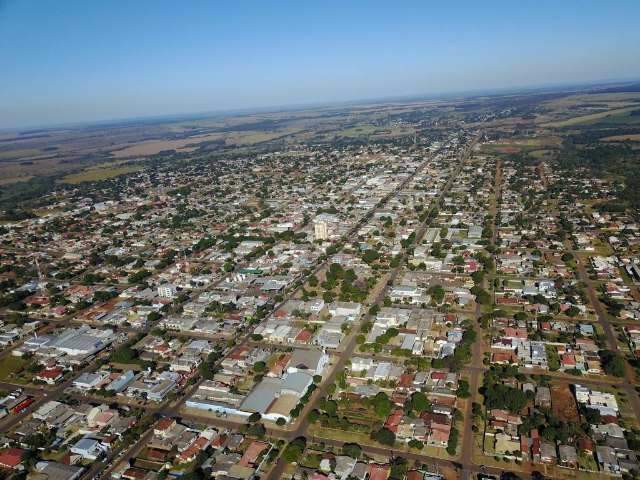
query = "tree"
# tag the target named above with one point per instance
(254, 417)
(437, 293)
(453, 441)
(281, 422)
(520, 316)
(572, 311)
(482, 296)
(419, 402)
(294, 450)
(328, 297)
(370, 256)
(502, 396)
(257, 430)
(592, 416)
(613, 363)
(331, 407)
(417, 444)
(384, 436)
(352, 450)
(382, 405)
(463, 389)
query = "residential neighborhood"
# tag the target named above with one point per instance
(432, 306)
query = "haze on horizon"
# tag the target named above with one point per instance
(88, 61)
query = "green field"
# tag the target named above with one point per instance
(100, 173)
(358, 131)
(611, 116)
(9, 366)
(17, 154)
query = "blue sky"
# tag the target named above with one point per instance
(69, 61)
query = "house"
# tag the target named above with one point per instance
(167, 290)
(50, 375)
(11, 458)
(312, 361)
(607, 459)
(252, 453)
(439, 434)
(379, 472)
(548, 453)
(56, 471)
(90, 381)
(164, 426)
(344, 466)
(350, 310)
(89, 448)
(568, 456)
(296, 384)
(120, 383)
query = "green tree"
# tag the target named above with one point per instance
(352, 450)
(294, 450)
(382, 405)
(384, 436)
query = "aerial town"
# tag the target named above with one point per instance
(433, 295)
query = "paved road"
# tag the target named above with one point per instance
(477, 351)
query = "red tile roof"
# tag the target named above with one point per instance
(11, 457)
(378, 472)
(252, 453)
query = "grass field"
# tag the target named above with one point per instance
(10, 366)
(358, 131)
(100, 173)
(17, 154)
(517, 145)
(152, 147)
(609, 117)
(622, 138)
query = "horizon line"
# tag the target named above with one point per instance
(168, 117)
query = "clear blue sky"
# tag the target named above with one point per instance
(68, 61)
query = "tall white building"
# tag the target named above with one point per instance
(167, 290)
(323, 226)
(321, 230)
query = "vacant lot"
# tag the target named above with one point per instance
(563, 404)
